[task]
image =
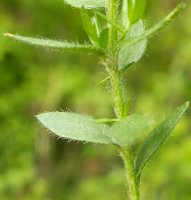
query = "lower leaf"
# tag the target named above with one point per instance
(126, 131)
(157, 137)
(75, 127)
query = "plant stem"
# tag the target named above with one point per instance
(112, 16)
(117, 92)
(130, 175)
(111, 63)
(118, 95)
(118, 98)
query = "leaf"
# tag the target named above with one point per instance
(132, 53)
(75, 127)
(157, 137)
(107, 120)
(137, 8)
(90, 27)
(124, 14)
(96, 30)
(131, 11)
(64, 46)
(103, 40)
(126, 131)
(133, 46)
(89, 4)
(157, 27)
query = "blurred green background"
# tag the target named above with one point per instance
(36, 165)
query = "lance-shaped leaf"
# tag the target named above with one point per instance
(124, 14)
(157, 137)
(156, 28)
(129, 54)
(103, 40)
(126, 131)
(136, 10)
(89, 4)
(90, 27)
(75, 127)
(54, 44)
(131, 11)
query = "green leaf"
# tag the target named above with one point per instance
(157, 137)
(89, 4)
(107, 120)
(75, 127)
(90, 27)
(97, 31)
(137, 9)
(124, 14)
(131, 54)
(131, 11)
(64, 46)
(103, 40)
(157, 27)
(126, 131)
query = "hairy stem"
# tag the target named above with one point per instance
(112, 16)
(119, 103)
(111, 63)
(130, 174)
(117, 91)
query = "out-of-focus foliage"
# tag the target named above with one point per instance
(34, 165)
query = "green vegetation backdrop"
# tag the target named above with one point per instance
(35, 165)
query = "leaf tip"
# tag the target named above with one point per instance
(37, 116)
(41, 117)
(9, 35)
(187, 104)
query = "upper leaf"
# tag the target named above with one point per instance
(157, 27)
(136, 10)
(75, 127)
(131, 11)
(103, 40)
(90, 27)
(89, 4)
(64, 46)
(157, 137)
(124, 14)
(132, 47)
(132, 53)
(126, 131)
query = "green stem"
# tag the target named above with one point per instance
(118, 97)
(130, 174)
(112, 16)
(118, 94)
(119, 103)
(111, 64)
